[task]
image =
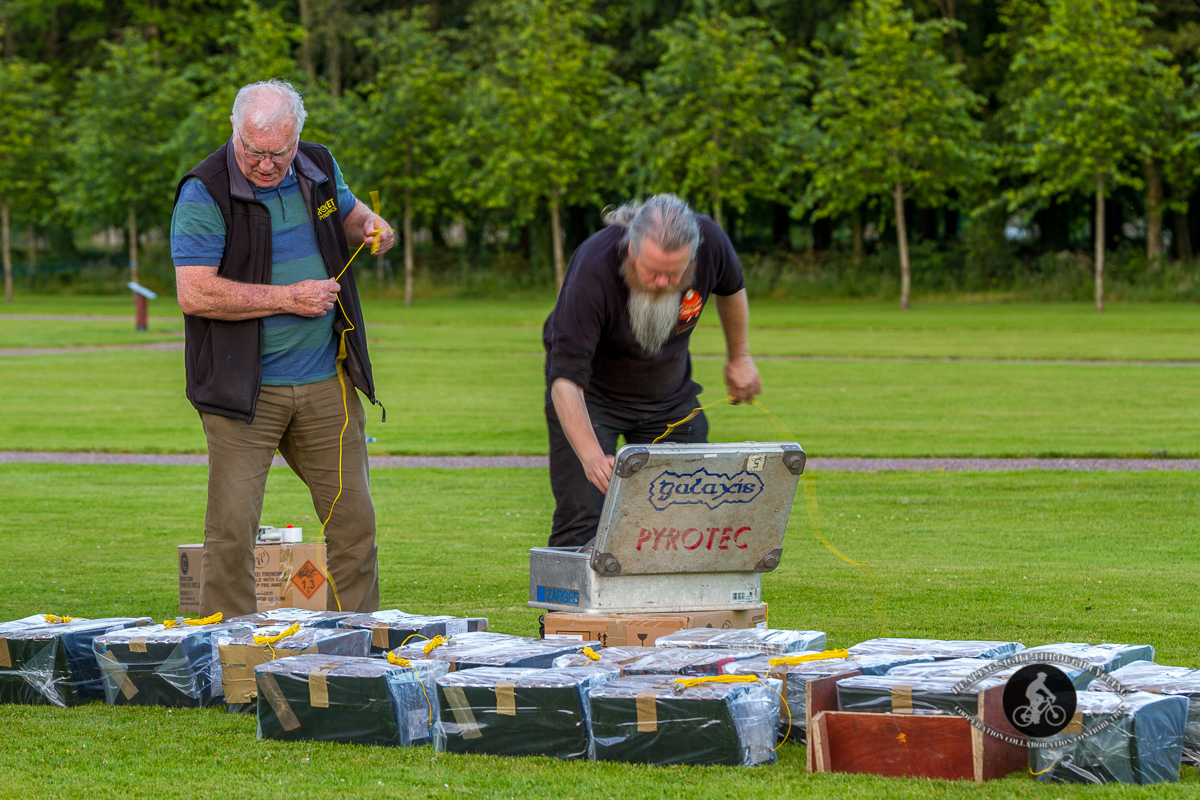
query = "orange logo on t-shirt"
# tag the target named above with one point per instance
(689, 309)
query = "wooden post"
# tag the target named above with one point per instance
(902, 241)
(557, 236)
(1099, 237)
(6, 246)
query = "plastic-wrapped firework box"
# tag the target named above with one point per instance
(937, 648)
(393, 628)
(1146, 676)
(892, 694)
(343, 699)
(761, 640)
(293, 616)
(687, 661)
(518, 712)
(175, 666)
(654, 720)
(471, 650)
(1103, 657)
(241, 652)
(1144, 744)
(52, 663)
(798, 681)
(608, 657)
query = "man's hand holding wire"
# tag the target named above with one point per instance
(314, 298)
(376, 227)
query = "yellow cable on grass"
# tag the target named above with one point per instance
(791, 661)
(209, 620)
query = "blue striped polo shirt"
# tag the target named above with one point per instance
(296, 350)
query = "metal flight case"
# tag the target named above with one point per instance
(684, 527)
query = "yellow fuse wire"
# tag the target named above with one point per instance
(210, 620)
(53, 620)
(789, 661)
(590, 653)
(341, 358)
(435, 642)
(392, 658)
(291, 631)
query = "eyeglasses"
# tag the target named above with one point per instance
(257, 157)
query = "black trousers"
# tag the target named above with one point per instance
(577, 502)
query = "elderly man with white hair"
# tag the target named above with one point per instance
(275, 344)
(617, 360)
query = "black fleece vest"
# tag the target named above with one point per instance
(224, 359)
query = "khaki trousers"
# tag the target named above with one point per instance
(304, 424)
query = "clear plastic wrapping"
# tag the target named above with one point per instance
(687, 661)
(518, 712)
(910, 695)
(937, 648)
(343, 699)
(294, 616)
(950, 668)
(157, 665)
(393, 628)
(1144, 745)
(1146, 676)
(240, 653)
(653, 720)
(762, 640)
(1102, 657)
(609, 657)
(53, 664)
(470, 650)
(795, 680)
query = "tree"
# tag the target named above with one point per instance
(123, 169)
(26, 146)
(403, 134)
(895, 119)
(1084, 116)
(711, 111)
(531, 118)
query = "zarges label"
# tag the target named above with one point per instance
(703, 487)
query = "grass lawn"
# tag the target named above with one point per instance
(1035, 557)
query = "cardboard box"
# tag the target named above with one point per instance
(287, 575)
(620, 630)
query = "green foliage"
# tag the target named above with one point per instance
(530, 130)
(28, 138)
(400, 138)
(894, 114)
(256, 45)
(121, 147)
(706, 124)
(1089, 99)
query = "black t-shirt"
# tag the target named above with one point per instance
(589, 340)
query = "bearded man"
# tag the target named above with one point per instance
(617, 360)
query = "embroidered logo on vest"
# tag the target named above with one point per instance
(326, 208)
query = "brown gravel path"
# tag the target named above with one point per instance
(539, 462)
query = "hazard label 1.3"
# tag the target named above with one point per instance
(308, 580)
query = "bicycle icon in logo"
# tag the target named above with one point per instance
(1041, 708)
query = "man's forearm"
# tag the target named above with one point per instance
(734, 312)
(571, 407)
(354, 223)
(203, 293)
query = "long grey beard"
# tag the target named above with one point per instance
(653, 318)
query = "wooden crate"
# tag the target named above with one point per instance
(914, 745)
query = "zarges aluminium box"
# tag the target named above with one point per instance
(684, 527)
(617, 630)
